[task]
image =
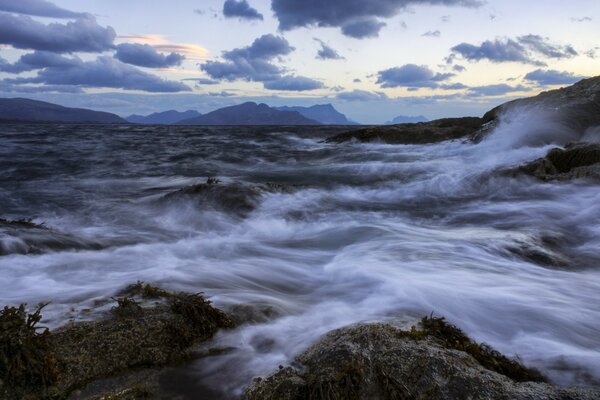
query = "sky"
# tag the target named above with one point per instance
(373, 60)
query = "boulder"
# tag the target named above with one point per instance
(575, 161)
(380, 361)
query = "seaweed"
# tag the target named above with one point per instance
(147, 291)
(126, 307)
(26, 356)
(196, 309)
(452, 337)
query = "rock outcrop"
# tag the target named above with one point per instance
(575, 161)
(380, 361)
(420, 133)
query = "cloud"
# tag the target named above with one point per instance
(240, 9)
(459, 68)
(326, 52)
(144, 55)
(40, 8)
(453, 86)
(361, 95)
(6, 87)
(34, 61)
(203, 81)
(524, 49)
(364, 28)
(495, 90)
(104, 72)
(582, 19)
(411, 76)
(435, 34)
(552, 77)
(83, 34)
(160, 43)
(357, 18)
(294, 83)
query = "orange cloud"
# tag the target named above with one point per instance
(160, 43)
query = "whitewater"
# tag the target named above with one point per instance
(364, 232)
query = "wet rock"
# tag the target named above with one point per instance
(418, 133)
(380, 361)
(576, 108)
(26, 237)
(575, 161)
(149, 337)
(236, 198)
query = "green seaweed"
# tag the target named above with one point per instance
(26, 356)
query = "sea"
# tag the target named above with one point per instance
(361, 232)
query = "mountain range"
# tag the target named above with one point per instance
(27, 110)
(324, 113)
(405, 119)
(250, 114)
(163, 118)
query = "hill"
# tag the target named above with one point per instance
(27, 110)
(250, 114)
(163, 118)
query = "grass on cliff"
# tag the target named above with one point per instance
(452, 337)
(26, 357)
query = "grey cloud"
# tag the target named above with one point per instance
(294, 83)
(345, 13)
(411, 76)
(144, 55)
(6, 87)
(435, 33)
(363, 28)
(361, 95)
(495, 90)
(327, 53)
(524, 49)
(552, 77)
(40, 8)
(34, 61)
(203, 81)
(104, 72)
(83, 34)
(240, 9)
(459, 68)
(582, 19)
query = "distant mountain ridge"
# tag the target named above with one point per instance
(250, 113)
(323, 113)
(405, 119)
(163, 118)
(27, 110)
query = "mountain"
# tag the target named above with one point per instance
(163, 118)
(405, 119)
(323, 113)
(27, 110)
(250, 114)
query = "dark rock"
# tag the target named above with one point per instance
(420, 133)
(380, 361)
(575, 161)
(26, 237)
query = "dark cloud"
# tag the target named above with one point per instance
(432, 34)
(453, 86)
(355, 17)
(294, 83)
(357, 80)
(459, 68)
(361, 95)
(552, 77)
(6, 87)
(40, 8)
(495, 90)
(362, 29)
(144, 55)
(36, 60)
(240, 9)
(327, 53)
(524, 49)
(83, 34)
(104, 72)
(252, 63)
(411, 76)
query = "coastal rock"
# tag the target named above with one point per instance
(418, 133)
(380, 361)
(133, 338)
(26, 237)
(575, 161)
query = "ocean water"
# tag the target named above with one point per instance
(366, 232)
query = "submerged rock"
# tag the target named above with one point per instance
(417, 133)
(235, 198)
(54, 364)
(576, 160)
(380, 361)
(26, 237)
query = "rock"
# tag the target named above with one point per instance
(235, 198)
(576, 108)
(139, 338)
(575, 161)
(25, 237)
(419, 133)
(380, 361)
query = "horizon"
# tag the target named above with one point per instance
(479, 54)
